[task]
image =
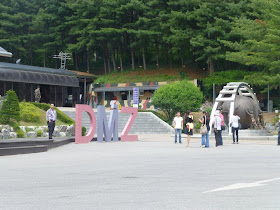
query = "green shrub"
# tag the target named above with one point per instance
(27, 129)
(29, 112)
(10, 110)
(60, 115)
(84, 131)
(16, 127)
(20, 133)
(208, 110)
(197, 126)
(39, 133)
(183, 75)
(180, 96)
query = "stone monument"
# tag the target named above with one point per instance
(239, 97)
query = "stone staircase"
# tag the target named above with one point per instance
(145, 123)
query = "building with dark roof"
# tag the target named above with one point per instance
(61, 87)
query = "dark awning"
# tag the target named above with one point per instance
(110, 89)
(37, 78)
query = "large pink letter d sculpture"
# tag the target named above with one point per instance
(79, 139)
(125, 136)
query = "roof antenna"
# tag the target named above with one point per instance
(63, 58)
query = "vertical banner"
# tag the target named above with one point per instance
(135, 97)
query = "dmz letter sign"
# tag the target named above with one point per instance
(103, 127)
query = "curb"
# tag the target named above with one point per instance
(16, 147)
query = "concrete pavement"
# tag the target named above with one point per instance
(143, 175)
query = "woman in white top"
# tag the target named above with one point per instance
(234, 123)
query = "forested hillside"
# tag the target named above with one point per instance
(115, 35)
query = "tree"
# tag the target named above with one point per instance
(259, 45)
(121, 34)
(10, 110)
(209, 22)
(180, 96)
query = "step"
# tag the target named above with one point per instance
(24, 142)
(59, 143)
(23, 150)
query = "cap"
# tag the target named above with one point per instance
(217, 113)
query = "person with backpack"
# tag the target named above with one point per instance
(234, 123)
(204, 130)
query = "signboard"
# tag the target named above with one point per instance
(135, 97)
(104, 129)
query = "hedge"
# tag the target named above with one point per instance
(10, 111)
(29, 112)
(60, 115)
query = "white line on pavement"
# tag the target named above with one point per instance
(243, 185)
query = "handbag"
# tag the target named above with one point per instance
(189, 126)
(203, 129)
(223, 127)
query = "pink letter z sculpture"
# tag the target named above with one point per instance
(79, 139)
(124, 135)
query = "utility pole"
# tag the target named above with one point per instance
(63, 58)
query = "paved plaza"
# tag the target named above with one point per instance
(153, 173)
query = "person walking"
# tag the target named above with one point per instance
(205, 137)
(178, 126)
(234, 123)
(222, 125)
(189, 126)
(217, 122)
(37, 94)
(51, 119)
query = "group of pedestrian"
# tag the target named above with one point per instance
(217, 124)
(178, 124)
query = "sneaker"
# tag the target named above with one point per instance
(236, 142)
(175, 142)
(233, 142)
(180, 142)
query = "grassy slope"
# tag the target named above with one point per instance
(156, 75)
(42, 120)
